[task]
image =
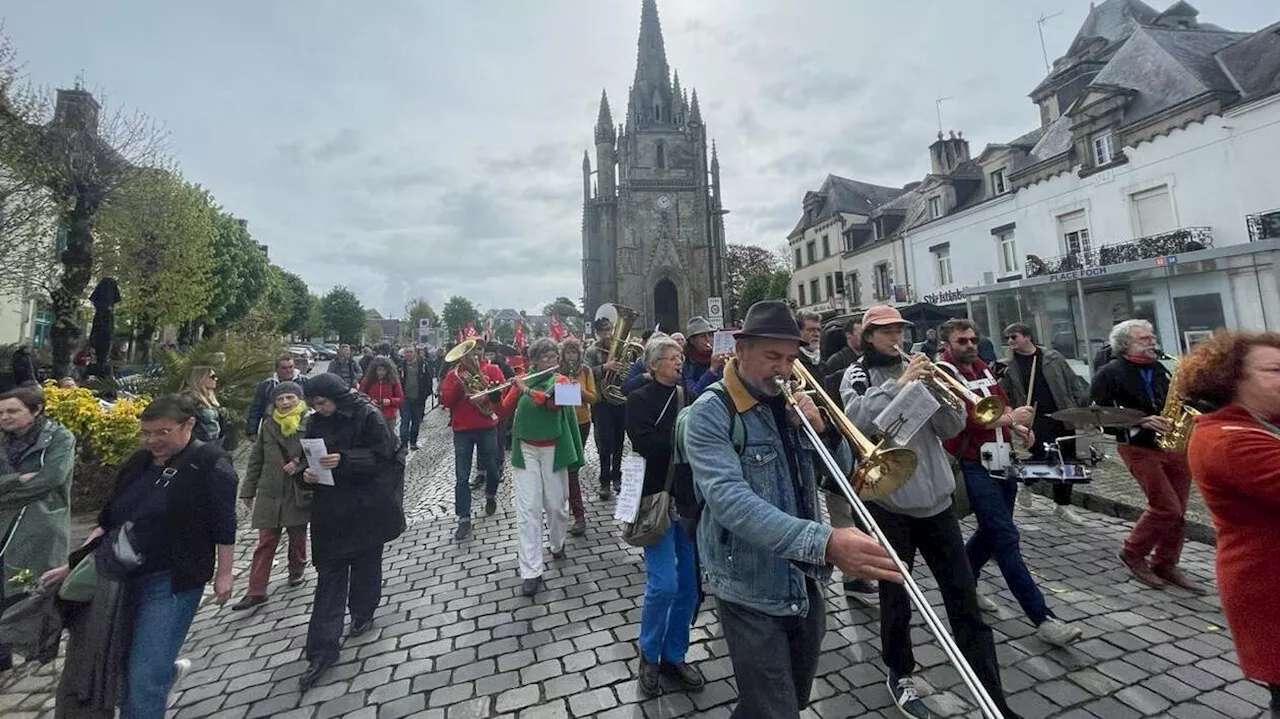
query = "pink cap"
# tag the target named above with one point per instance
(883, 316)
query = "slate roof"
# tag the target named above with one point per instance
(1114, 20)
(1253, 64)
(1055, 140)
(845, 195)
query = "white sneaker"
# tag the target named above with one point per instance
(1057, 632)
(987, 605)
(1024, 497)
(1067, 514)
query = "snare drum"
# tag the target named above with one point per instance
(1031, 470)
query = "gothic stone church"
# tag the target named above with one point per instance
(653, 229)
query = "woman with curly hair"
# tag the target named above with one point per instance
(382, 384)
(1234, 453)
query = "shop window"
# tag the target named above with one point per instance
(1007, 247)
(1153, 211)
(942, 265)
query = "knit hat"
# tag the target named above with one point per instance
(292, 388)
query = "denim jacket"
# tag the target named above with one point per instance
(754, 548)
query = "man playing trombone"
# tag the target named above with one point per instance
(919, 514)
(764, 547)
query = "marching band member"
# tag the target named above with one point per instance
(984, 453)
(608, 417)
(571, 366)
(1135, 379)
(919, 515)
(544, 446)
(474, 429)
(1057, 387)
(762, 542)
(1234, 454)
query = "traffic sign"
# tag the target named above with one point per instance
(715, 312)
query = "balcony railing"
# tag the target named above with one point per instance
(1263, 226)
(1186, 239)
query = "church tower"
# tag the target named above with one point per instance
(653, 230)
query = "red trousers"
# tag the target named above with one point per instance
(575, 489)
(1166, 480)
(265, 554)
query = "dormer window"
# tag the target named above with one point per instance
(935, 208)
(999, 183)
(1103, 148)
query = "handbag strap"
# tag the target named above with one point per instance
(671, 464)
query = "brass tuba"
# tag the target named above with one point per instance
(474, 383)
(625, 350)
(1181, 415)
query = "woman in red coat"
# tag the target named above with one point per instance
(1234, 455)
(382, 383)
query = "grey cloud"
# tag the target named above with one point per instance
(803, 89)
(344, 144)
(554, 155)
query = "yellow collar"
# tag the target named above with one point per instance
(742, 398)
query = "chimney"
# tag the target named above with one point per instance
(813, 202)
(77, 110)
(946, 153)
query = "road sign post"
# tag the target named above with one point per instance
(715, 312)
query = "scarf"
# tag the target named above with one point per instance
(291, 420)
(537, 423)
(696, 356)
(814, 356)
(17, 444)
(1140, 358)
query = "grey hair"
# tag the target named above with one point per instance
(541, 346)
(806, 315)
(1122, 335)
(657, 336)
(657, 347)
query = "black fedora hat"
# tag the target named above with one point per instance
(771, 319)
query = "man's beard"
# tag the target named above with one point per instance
(966, 356)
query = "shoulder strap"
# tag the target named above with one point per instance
(737, 428)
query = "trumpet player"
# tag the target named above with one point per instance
(984, 453)
(475, 430)
(919, 515)
(763, 546)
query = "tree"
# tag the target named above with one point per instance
(343, 314)
(294, 308)
(241, 268)
(458, 311)
(745, 262)
(156, 239)
(505, 332)
(315, 326)
(416, 310)
(561, 307)
(770, 286)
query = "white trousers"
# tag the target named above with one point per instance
(538, 489)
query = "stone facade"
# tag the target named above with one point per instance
(652, 227)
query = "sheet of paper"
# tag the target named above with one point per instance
(722, 342)
(568, 394)
(908, 412)
(314, 449)
(632, 485)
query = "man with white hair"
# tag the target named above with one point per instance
(1134, 378)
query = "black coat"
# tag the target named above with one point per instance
(651, 430)
(1119, 384)
(361, 510)
(425, 377)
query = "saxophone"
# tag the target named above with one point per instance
(1181, 415)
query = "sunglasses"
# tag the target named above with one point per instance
(966, 340)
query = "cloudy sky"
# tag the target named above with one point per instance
(434, 147)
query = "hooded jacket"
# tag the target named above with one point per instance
(868, 386)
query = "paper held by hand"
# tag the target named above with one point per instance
(907, 413)
(722, 342)
(568, 394)
(314, 449)
(628, 505)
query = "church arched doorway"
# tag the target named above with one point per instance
(666, 306)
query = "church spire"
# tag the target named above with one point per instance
(604, 121)
(695, 113)
(651, 98)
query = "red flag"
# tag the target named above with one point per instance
(519, 337)
(471, 330)
(557, 329)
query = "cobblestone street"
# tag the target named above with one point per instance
(454, 639)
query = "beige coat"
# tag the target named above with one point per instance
(277, 499)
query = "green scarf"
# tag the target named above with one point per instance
(291, 420)
(539, 424)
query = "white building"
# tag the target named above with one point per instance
(1150, 191)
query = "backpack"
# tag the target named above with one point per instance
(683, 473)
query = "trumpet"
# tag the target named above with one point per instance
(918, 598)
(954, 393)
(881, 470)
(503, 385)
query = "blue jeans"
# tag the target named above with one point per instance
(997, 537)
(485, 444)
(161, 621)
(670, 597)
(411, 411)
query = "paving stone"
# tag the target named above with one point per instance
(515, 699)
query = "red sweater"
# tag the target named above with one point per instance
(974, 434)
(463, 413)
(386, 396)
(1236, 464)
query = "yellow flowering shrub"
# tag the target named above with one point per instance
(110, 435)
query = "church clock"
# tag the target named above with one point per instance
(664, 202)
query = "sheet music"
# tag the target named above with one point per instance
(628, 505)
(568, 394)
(722, 342)
(314, 449)
(908, 412)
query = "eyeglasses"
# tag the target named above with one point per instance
(213, 376)
(966, 340)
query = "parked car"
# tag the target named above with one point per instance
(322, 353)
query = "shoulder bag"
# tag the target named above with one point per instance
(654, 517)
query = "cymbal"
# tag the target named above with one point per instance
(1097, 416)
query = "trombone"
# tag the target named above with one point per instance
(881, 470)
(952, 392)
(980, 695)
(508, 383)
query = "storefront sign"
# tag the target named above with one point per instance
(1167, 261)
(946, 297)
(1078, 274)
